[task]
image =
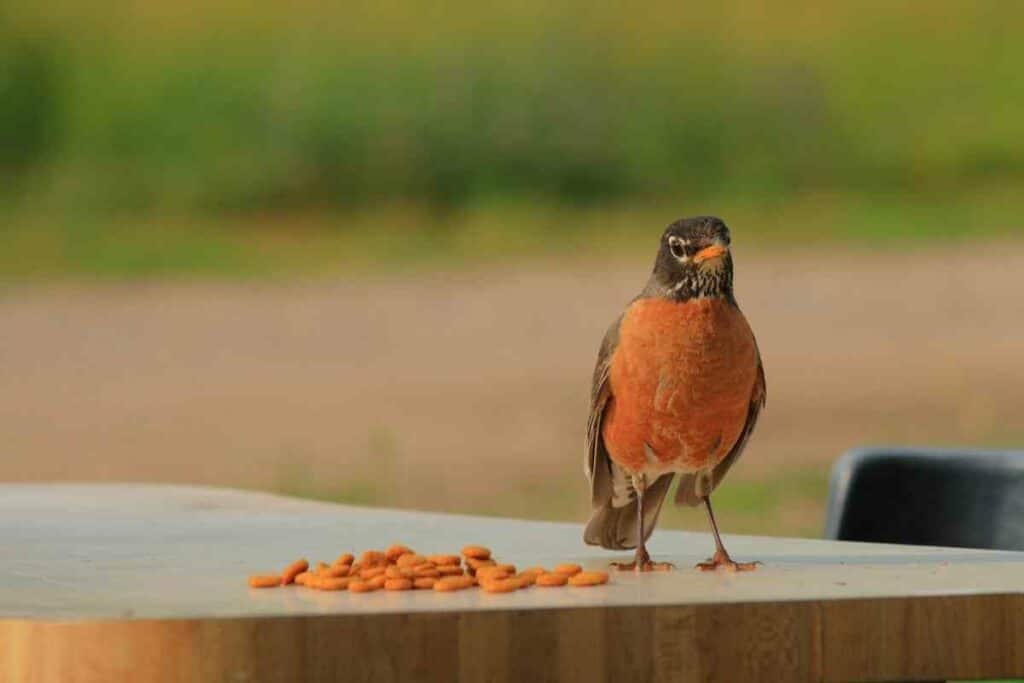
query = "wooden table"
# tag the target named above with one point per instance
(111, 582)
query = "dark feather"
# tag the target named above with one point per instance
(596, 463)
(615, 527)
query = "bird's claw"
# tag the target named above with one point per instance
(723, 561)
(643, 566)
(642, 563)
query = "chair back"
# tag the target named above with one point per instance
(966, 499)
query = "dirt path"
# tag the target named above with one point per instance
(429, 390)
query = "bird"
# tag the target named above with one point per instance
(676, 391)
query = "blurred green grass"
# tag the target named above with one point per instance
(43, 245)
(142, 138)
(788, 502)
(785, 500)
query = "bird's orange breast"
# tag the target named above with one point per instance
(681, 379)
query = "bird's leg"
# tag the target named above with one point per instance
(642, 561)
(721, 557)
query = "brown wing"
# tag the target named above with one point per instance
(597, 464)
(612, 522)
(686, 494)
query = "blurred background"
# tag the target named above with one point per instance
(366, 252)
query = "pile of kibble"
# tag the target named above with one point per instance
(399, 568)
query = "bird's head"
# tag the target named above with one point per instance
(693, 260)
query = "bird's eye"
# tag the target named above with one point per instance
(676, 246)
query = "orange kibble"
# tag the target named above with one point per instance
(477, 552)
(568, 568)
(453, 583)
(335, 571)
(450, 570)
(399, 568)
(395, 572)
(588, 579)
(265, 581)
(339, 583)
(426, 571)
(551, 580)
(410, 560)
(493, 572)
(526, 578)
(324, 583)
(371, 572)
(293, 570)
(396, 551)
(508, 585)
(362, 587)
(475, 563)
(371, 558)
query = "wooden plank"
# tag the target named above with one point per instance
(877, 640)
(148, 582)
(938, 638)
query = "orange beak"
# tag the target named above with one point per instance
(708, 253)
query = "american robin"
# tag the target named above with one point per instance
(677, 389)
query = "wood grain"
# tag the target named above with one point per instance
(872, 640)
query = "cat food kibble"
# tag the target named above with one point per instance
(399, 568)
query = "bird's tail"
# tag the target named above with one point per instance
(615, 528)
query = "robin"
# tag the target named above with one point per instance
(677, 390)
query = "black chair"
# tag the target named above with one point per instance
(965, 499)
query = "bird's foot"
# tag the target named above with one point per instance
(721, 560)
(642, 563)
(647, 566)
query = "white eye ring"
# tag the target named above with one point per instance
(678, 247)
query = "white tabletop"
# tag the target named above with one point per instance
(84, 552)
